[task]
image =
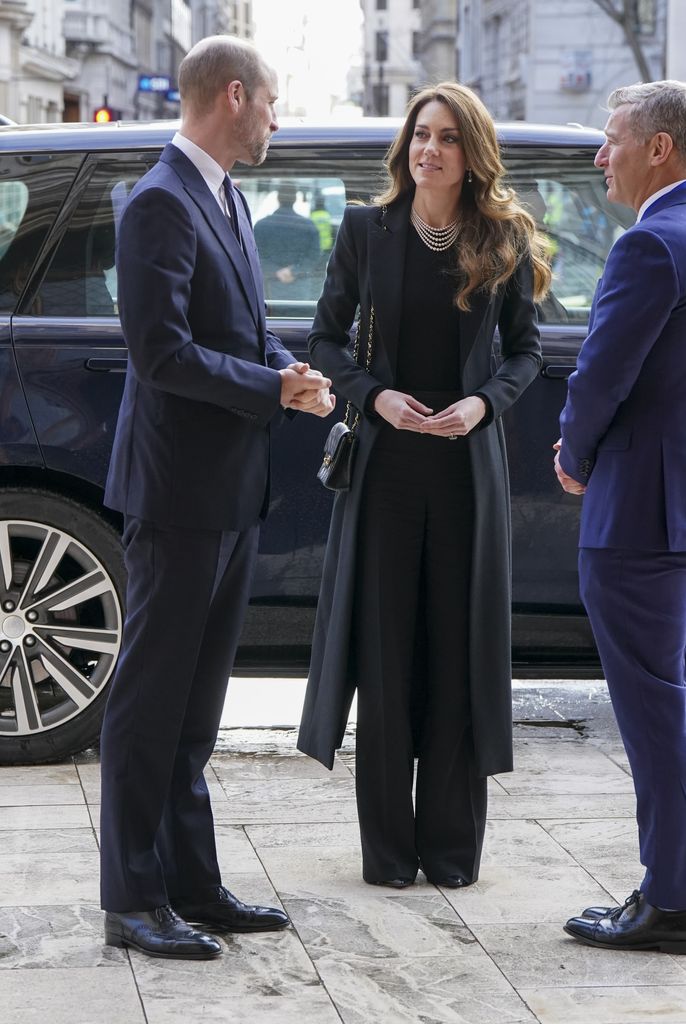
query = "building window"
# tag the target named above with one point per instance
(381, 46)
(382, 5)
(645, 17)
(416, 4)
(380, 99)
(416, 45)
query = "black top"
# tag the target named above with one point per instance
(429, 342)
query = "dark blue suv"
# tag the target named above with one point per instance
(62, 360)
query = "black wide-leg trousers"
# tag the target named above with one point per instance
(411, 623)
(186, 599)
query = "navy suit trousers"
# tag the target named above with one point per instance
(187, 594)
(636, 602)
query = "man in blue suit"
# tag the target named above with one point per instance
(189, 472)
(623, 444)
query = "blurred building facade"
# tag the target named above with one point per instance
(392, 69)
(34, 64)
(554, 60)
(64, 59)
(437, 48)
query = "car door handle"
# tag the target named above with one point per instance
(557, 372)
(103, 364)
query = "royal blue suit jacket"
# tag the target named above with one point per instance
(624, 423)
(192, 440)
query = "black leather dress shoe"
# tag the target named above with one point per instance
(636, 925)
(159, 932)
(595, 913)
(394, 883)
(223, 912)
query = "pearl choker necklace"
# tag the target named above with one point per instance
(436, 239)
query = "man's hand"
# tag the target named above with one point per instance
(402, 411)
(458, 419)
(306, 390)
(567, 483)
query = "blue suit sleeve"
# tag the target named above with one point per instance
(639, 290)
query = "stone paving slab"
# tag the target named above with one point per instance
(561, 835)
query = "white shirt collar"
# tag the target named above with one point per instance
(656, 195)
(213, 173)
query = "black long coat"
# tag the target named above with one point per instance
(366, 269)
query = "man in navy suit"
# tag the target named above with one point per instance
(189, 472)
(623, 444)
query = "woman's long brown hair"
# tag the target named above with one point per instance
(495, 231)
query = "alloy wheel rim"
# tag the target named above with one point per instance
(60, 627)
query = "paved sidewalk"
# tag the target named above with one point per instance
(560, 836)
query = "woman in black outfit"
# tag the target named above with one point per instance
(414, 610)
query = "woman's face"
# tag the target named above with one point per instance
(436, 156)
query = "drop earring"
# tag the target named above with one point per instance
(469, 175)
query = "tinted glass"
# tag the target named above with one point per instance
(33, 187)
(81, 280)
(297, 208)
(566, 197)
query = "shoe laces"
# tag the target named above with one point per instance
(630, 901)
(166, 916)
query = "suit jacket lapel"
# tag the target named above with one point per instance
(471, 322)
(196, 187)
(252, 255)
(387, 241)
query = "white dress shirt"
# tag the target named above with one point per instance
(213, 174)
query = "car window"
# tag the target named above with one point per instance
(33, 187)
(14, 198)
(296, 212)
(567, 199)
(81, 280)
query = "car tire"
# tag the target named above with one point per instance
(62, 590)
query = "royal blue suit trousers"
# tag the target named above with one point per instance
(636, 602)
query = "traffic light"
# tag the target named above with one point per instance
(104, 115)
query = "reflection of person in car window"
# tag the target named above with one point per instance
(321, 218)
(289, 250)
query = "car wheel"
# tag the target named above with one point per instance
(62, 587)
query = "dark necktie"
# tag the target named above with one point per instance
(231, 205)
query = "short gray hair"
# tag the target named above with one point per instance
(655, 107)
(215, 61)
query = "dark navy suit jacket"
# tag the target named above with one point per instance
(624, 424)
(192, 440)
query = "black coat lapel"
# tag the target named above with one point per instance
(471, 323)
(387, 240)
(196, 187)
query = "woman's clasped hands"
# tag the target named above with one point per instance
(406, 413)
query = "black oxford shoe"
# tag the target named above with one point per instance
(159, 932)
(636, 925)
(595, 913)
(223, 912)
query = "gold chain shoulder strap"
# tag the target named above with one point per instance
(356, 346)
(356, 357)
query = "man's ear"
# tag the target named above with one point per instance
(661, 145)
(236, 95)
